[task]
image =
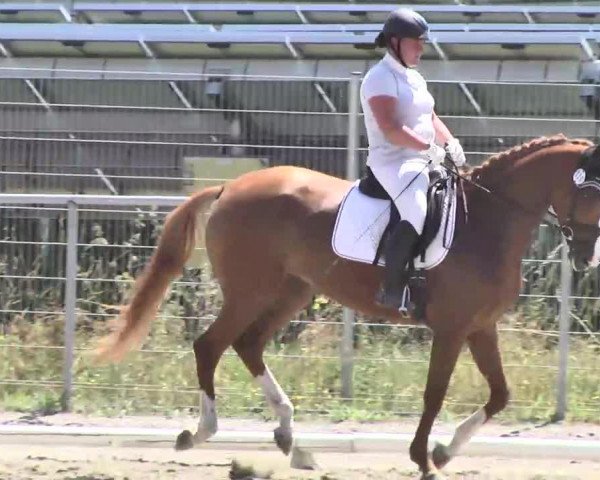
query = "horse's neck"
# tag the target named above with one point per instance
(520, 198)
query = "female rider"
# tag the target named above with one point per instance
(404, 135)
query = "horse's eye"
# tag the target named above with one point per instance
(567, 232)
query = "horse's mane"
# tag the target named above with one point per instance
(498, 163)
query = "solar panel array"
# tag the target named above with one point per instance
(187, 75)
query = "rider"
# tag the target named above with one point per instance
(402, 130)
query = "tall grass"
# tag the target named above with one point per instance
(390, 366)
(389, 375)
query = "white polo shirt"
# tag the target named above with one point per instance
(415, 108)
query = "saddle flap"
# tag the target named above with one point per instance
(440, 188)
(362, 220)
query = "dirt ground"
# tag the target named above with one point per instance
(20, 462)
(46, 461)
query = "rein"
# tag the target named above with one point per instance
(567, 228)
(553, 221)
(550, 217)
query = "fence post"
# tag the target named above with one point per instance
(564, 327)
(352, 173)
(70, 304)
(352, 168)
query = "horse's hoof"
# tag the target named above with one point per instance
(283, 439)
(440, 455)
(433, 476)
(303, 460)
(185, 440)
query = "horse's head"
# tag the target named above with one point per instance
(578, 209)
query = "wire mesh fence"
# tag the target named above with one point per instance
(63, 132)
(169, 137)
(162, 374)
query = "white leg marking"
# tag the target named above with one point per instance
(596, 259)
(207, 426)
(277, 398)
(465, 431)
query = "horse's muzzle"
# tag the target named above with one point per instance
(580, 264)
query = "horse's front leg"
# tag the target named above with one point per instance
(444, 353)
(486, 353)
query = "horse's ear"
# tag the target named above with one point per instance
(592, 154)
(594, 158)
(590, 161)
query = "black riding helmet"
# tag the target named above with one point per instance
(402, 23)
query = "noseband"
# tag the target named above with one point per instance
(587, 175)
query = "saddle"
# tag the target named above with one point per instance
(366, 214)
(439, 187)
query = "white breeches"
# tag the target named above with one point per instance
(406, 182)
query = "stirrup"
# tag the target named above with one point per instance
(404, 307)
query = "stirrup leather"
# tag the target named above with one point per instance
(405, 305)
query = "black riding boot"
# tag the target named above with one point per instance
(398, 251)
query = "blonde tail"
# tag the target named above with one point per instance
(175, 246)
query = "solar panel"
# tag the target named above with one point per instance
(16, 91)
(194, 41)
(450, 100)
(34, 12)
(530, 100)
(111, 93)
(315, 12)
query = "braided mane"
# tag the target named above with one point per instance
(496, 164)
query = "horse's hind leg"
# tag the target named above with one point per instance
(208, 348)
(250, 347)
(486, 353)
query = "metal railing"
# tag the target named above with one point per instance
(54, 146)
(74, 203)
(64, 132)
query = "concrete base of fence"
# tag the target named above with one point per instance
(313, 442)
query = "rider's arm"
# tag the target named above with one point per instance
(442, 134)
(384, 110)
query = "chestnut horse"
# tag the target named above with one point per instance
(268, 239)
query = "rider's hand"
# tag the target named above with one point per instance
(435, 153)
(455, 151)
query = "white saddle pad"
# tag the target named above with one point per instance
(361, 221)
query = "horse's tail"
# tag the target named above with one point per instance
(175, 246)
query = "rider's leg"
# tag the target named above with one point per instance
(407, 184)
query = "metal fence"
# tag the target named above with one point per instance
(132, 137)
(68, 131)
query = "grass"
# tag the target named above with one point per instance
(389, 375)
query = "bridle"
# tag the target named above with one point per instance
(580, 178)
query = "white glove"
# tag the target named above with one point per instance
(455, 150)
(435, 154)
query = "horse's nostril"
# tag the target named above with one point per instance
(580, 263)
